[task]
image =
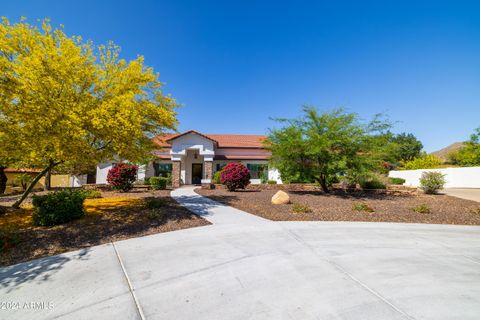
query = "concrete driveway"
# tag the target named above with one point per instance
(245, 267)
(469, 194)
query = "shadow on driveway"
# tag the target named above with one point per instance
(36, 270)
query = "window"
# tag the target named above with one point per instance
(162, 169)
(257, 170)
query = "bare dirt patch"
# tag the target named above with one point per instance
(318, 206)
(115, 216)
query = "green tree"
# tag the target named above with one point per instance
(406, 146)
(66, 104)
(321, 146)
(469, 154)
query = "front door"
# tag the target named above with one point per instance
(197, 169)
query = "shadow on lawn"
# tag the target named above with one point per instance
(12, 277)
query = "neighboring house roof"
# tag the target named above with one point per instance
(222, 140)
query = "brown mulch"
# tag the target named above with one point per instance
(338, 206)
(108, 223)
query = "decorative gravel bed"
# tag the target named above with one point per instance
(115, 216)
(339, 206)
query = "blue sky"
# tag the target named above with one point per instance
(235, 64)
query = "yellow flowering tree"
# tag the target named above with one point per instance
(65, 103)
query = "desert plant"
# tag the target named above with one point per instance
(91, 194)
(319, 146)
(372, 181)
(423, 162)
(300, 208)
(397, 181)
(217, 177)
(264, 176)
(235, 176)
(154, 203)
(122, 176)
(421, 208)
(432, 181)
(57, 208)
(272, 182)
(158, 183)
(475, 211)
(362, 206)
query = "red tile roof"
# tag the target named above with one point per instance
(242, 157)
(222, 140)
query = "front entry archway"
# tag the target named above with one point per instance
(197, 172)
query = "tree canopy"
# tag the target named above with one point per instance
(469, 154)
(321, 146)
(65, 102)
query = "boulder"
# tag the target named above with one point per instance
(280, 197)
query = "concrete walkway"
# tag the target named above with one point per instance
(246, 267)
(468, 194)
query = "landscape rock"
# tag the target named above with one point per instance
(281, 197)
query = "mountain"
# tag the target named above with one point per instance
(443, 153)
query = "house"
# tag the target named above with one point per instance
(192, 157)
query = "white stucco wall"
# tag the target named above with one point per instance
(102, 171)
(273, 173)
(468, 177)
(77, 181)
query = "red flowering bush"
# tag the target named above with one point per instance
(235, 176)
(122, 176)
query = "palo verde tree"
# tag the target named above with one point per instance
(321, 146)
(66, 104)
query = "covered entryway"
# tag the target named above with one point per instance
(197, 172)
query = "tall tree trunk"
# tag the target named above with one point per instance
(25, 194)
(48, 180)
(3, 180)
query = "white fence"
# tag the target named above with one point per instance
(468, 177)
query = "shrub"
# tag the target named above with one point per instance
(301, 208)
(122, 176)
(397, 181)
(264, 177)
(158, 183)
(91, 194)
(217, 177)
(272, 181)
(235, 176)
(362, 206)
(146, 181)
(475, 211)
(424, 162)
(421, 208)
(432, 181)
(372, 181)
(8, 238)
(154, 203)
(57, 208)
